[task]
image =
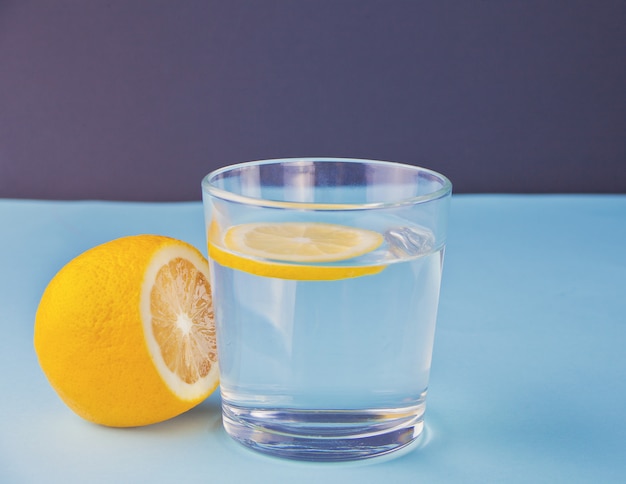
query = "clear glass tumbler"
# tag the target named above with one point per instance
(325, 276)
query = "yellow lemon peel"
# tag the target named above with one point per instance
(125, 333)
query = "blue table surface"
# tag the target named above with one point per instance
(528, 382)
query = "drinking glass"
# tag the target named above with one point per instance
(325, 357)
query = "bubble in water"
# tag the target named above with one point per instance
(409, 242)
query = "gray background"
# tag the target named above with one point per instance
(138, 99)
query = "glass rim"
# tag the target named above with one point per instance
(214, 191)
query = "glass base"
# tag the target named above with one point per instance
(323, 435)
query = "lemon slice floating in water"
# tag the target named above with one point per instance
(295, 250)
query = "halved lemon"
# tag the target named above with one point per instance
(125, 332)
(295, 250)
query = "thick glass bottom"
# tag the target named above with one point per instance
(323, 435)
